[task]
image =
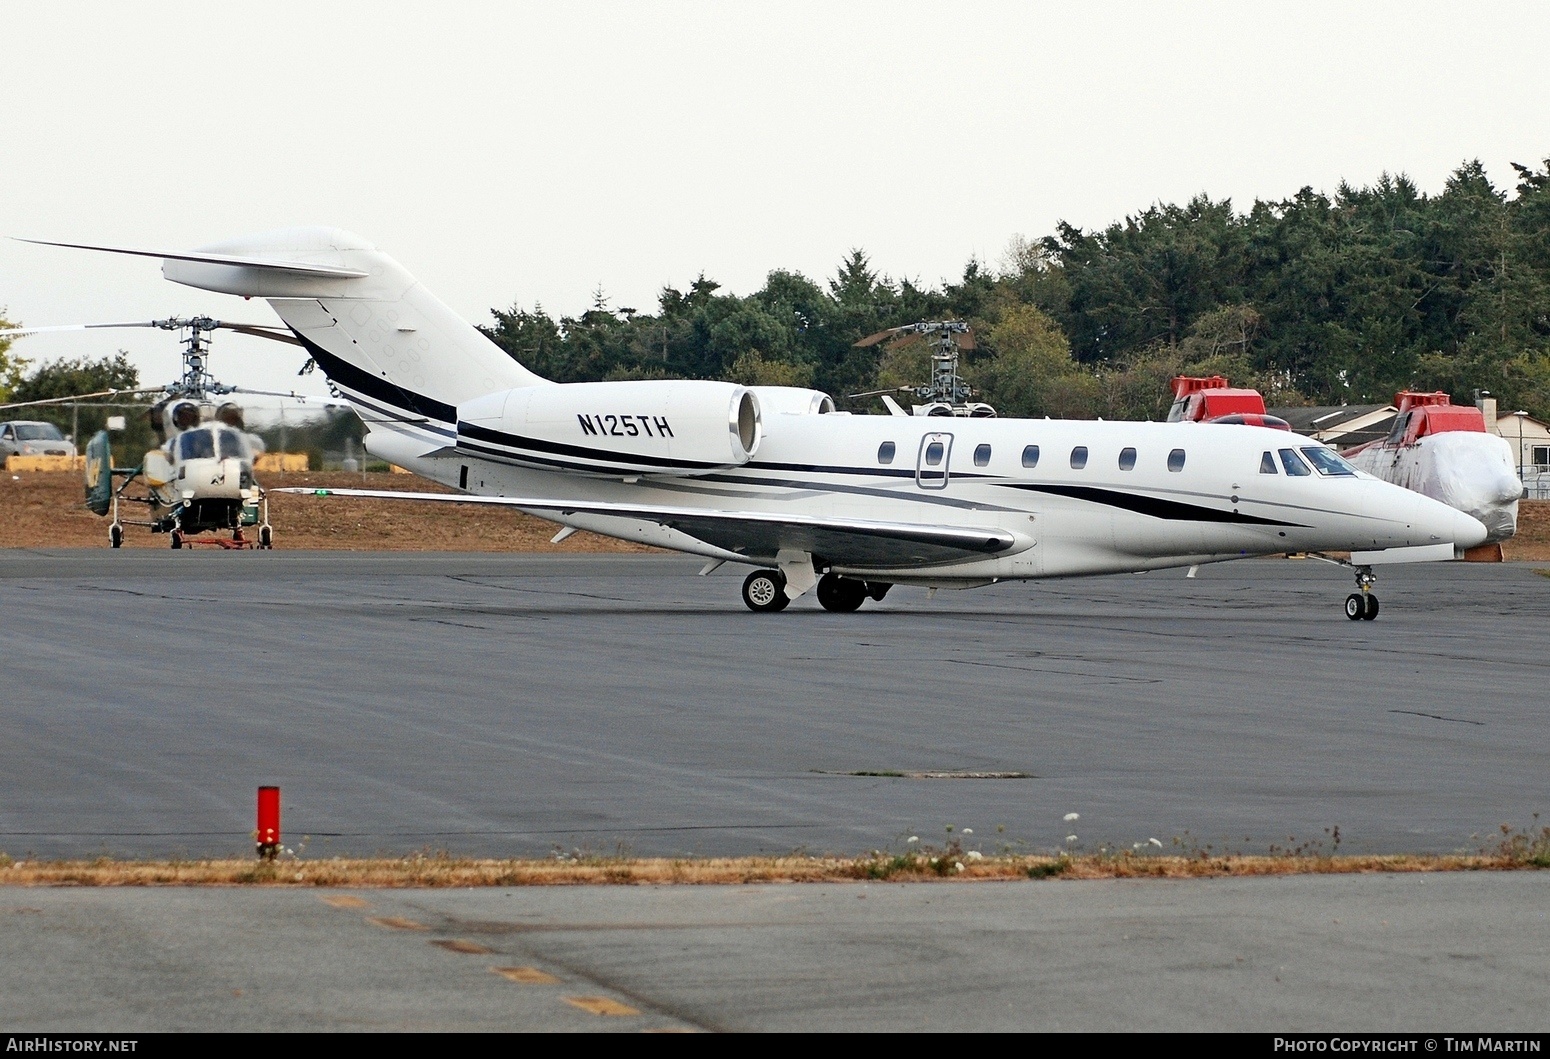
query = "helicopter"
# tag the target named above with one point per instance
(198, 486)
(945, 394)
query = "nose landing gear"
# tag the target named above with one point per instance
(1363, 605)
(1360, 605)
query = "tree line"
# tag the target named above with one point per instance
(1316, 299)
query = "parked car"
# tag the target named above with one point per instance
(23, 438)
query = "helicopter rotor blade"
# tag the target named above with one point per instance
(75, 327)
(82, 397)
(883, 335)
(274, 334)
(301, 398)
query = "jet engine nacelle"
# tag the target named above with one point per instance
(613, 428)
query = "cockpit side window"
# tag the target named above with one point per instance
(1267, 464)
(1397, 431)
(1293, 464)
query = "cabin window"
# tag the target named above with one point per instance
(1079, 457)
(885, 452)
(981, 455)
(1127, 459)
(1326, 461)
(934, 454)
(1030, 455)
(1267, 464)
(1293, 464)
(1176, 460)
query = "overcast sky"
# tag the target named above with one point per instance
(529, 153)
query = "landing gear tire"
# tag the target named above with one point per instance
(1370, 610)
(765, 591)
(1355, 606)
(265, 538)
(116, 535)
(177, 540)
(841, 594)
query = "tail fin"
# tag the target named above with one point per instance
(396, 351)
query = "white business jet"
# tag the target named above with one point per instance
(774, 478)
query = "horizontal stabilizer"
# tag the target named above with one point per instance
(299, 268)
(757, 534)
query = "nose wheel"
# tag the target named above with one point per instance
(1362, 605)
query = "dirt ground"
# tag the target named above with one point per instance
(45, 510)
(41, 510)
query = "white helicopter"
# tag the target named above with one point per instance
(773, 478)
(200, 480)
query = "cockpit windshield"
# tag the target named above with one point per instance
(196, 445)
(208, 443)
(1326, 461)
(232, 447)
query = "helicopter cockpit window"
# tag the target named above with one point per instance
(231, 446)
(196, 445)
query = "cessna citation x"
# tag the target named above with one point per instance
(773, 477)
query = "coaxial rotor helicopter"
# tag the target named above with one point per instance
(946, 394)
(200, 479)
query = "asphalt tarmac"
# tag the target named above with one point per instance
(510, 705)
(1460, 953)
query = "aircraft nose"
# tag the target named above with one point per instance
(1465, 531)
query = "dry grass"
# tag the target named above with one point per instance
(43, 510)
(1515, 852)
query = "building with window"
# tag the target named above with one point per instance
(1530, 441)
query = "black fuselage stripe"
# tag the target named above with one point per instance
(363, 381)
(1172, 510)
(516, 441)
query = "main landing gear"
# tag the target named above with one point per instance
(765, 591)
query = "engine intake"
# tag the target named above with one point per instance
(612, 428)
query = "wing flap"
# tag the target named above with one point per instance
(759, 534)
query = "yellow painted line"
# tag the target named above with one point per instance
(345, 901)
(396, 923)
(600, 1005)
(526, 975)
(459, 945)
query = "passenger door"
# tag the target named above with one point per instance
(931, 464)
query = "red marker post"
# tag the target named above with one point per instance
(268, 832)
